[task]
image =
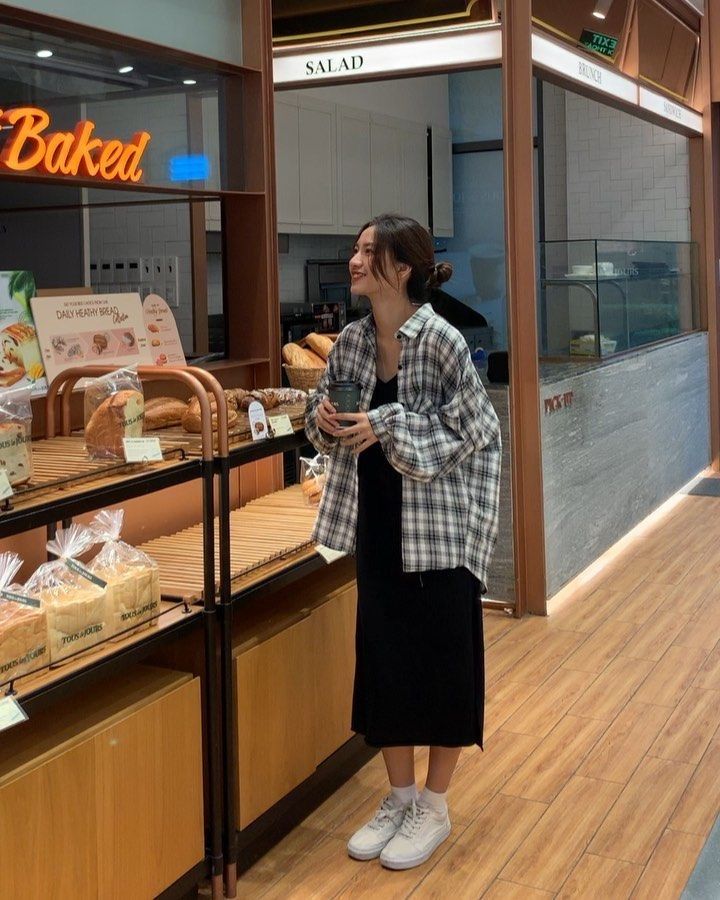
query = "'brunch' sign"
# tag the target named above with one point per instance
(30, 147)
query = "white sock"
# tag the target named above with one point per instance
(404, 795)
(436, 801)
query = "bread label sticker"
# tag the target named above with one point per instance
(5, 486)
(20, 598)
(142, 449)
(79, 569)
(258, 421)
(11, 713)
(281, 425)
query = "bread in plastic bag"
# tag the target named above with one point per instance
(114, 409)
(133, 578)
(15, 434)
(23, 625)
(313, 473)
(74, 599)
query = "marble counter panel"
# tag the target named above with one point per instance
(501, 578)
(634, 431)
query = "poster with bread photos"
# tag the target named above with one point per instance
(20, 359)
(165, 345)
(91, 329)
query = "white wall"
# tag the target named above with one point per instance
(626, 179)
(422, 100)
(211, 28)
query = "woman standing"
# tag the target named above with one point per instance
(412, 490)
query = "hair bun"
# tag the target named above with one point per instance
(439, 274)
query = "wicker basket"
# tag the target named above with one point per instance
(303, 379)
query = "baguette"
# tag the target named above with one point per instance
(296, 356)
(192, 420)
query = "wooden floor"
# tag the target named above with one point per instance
(600, 772)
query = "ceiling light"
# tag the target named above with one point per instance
(602, 8)
(125, 70)
(189, 81)
(44, 54)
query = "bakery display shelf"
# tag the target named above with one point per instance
(266, 535)
(66, 482)
(117, 652)
(239, 436)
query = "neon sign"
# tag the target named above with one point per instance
(77, 152)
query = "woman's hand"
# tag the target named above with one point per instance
(325, 417)
(359, 435)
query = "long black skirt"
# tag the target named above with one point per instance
(419, 675)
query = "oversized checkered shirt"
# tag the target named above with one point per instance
(442, 436)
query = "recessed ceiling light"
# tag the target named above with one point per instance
(44, 54)
(599, 15)
(125, 70)
(189, 81)
(602, 8)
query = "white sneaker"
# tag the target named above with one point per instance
(368, 841)
(423, 830)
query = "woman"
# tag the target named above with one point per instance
(412, 490)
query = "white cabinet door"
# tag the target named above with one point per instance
(354, 178)
(414, 200)
(386, 165)
(442, 182)
(287, 161)
(318, 148)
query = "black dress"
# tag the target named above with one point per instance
(419, 675)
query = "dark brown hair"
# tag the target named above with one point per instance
(403, 240)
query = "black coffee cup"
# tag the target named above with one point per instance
(345, 397)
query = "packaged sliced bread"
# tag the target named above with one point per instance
(15, 434)
(133, 579)
(74, 599)
(23, 625)
(114, 409)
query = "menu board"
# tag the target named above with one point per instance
(20, 360)
(81, 330)
(165, 345)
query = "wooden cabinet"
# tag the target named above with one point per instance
(317, 132)
(287, 161)
(442, 182)
(293, 683)
(104, 798)
(354, 179)
(276, 718)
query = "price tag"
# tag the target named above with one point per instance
(142, 449)
(258, 421)
(5, 486)
(330, 556)
(11, 713)
(281, 425)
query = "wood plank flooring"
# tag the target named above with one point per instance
(599, 775)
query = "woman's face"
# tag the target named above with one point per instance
(364, 283)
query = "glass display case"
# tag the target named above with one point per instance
(597, 298)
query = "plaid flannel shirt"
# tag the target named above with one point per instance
(442, 436)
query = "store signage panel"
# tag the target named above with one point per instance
(96, 329)
(388, 57)
(553, 56)
(668, 109)
(31, 147)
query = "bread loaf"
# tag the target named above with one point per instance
(117, 417)
(75, 621)
(23, 639)
(192, 422)
(295, 355)
(320, 344)
(163, 412)
(15, 450)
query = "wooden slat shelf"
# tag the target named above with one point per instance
(266, 536)
(65, 480)
(173, 615)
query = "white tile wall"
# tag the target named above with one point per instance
(610, 175)
(161, 229)
(303, 247)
